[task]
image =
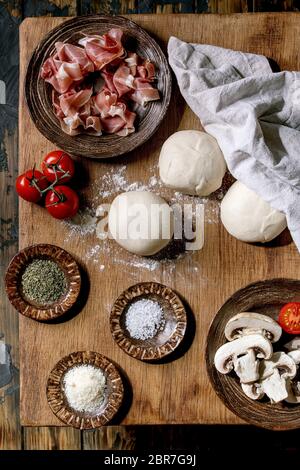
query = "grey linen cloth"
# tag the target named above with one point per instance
(253, 113)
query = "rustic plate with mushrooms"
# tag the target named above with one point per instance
(253, 365)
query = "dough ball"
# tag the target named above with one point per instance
(247, 217)
(141, 222)
(191, 162)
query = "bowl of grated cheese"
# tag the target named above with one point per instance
(148, 321)
(85, 390)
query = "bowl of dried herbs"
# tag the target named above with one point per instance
(43, 282)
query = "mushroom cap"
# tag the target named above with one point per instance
(292, 397)
(253, 391)
(295, 355)
(249, 323)
(226, 354)
(281, 361)
(293, 344)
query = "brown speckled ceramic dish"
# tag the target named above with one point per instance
(266, 297)
(39, 93)
(114, 392)
(13, 282)
(167, 339)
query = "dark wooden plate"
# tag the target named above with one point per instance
(265, 297)
(38, 93)
(113, 395)
(13, 282)
(165, 341)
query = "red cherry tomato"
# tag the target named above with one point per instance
(58, 166)
(62, 202)
(30, 184)
(289, 318)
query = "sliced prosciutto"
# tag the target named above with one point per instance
(143, 92)
(114, 115)
(101, 102)
(103, 50)
(74, 112)
(68, 66)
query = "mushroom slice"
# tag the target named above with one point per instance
(275, 387)
(293, 386)
(295, 355)
(274, 374)
(246, 323)
(293, 389)
(293, 344)
(241, 355)
(253, 391)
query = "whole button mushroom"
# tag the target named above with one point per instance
(241, 355)
(246, 323)
(274, 374)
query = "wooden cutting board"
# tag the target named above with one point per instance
(177, 392)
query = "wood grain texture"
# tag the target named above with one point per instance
(226, 264)
(110, 438)
(267, 298)
(54, 438)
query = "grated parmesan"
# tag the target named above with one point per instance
(84, 387)
(144, 318)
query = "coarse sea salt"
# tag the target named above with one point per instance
(84, 387)
(144, 318)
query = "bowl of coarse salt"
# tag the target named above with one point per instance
(148, 321)
(85, 390)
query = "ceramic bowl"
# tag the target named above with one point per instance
(113, 395)
(14, 288)
(167, 338)
(266, 297)
(38, 93)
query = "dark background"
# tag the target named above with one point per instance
(210, 439)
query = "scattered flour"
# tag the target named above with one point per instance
(109, 185)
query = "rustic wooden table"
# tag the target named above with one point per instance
(12, 435)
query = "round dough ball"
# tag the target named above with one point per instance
(141, 222)
(191, 162)
(247, 217)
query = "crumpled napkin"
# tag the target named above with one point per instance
(253, 113)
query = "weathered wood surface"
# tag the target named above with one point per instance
(11, 14)
(159, 391)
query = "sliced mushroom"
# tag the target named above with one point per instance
(246, 323)
(293, 344)
(274, 374)
(253, 391)
(293, 389)
(295, 355)
(241, 355)
(293, 386)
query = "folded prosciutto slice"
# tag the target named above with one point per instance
(143, 92)
(114, 115)
(74, 112)
(105, 49)
(82, 105)
(69, 65)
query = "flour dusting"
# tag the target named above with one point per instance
(98, 251)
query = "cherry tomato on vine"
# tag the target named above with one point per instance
(62, 202)
(289, 318)
(30, 185)
(58, 166)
